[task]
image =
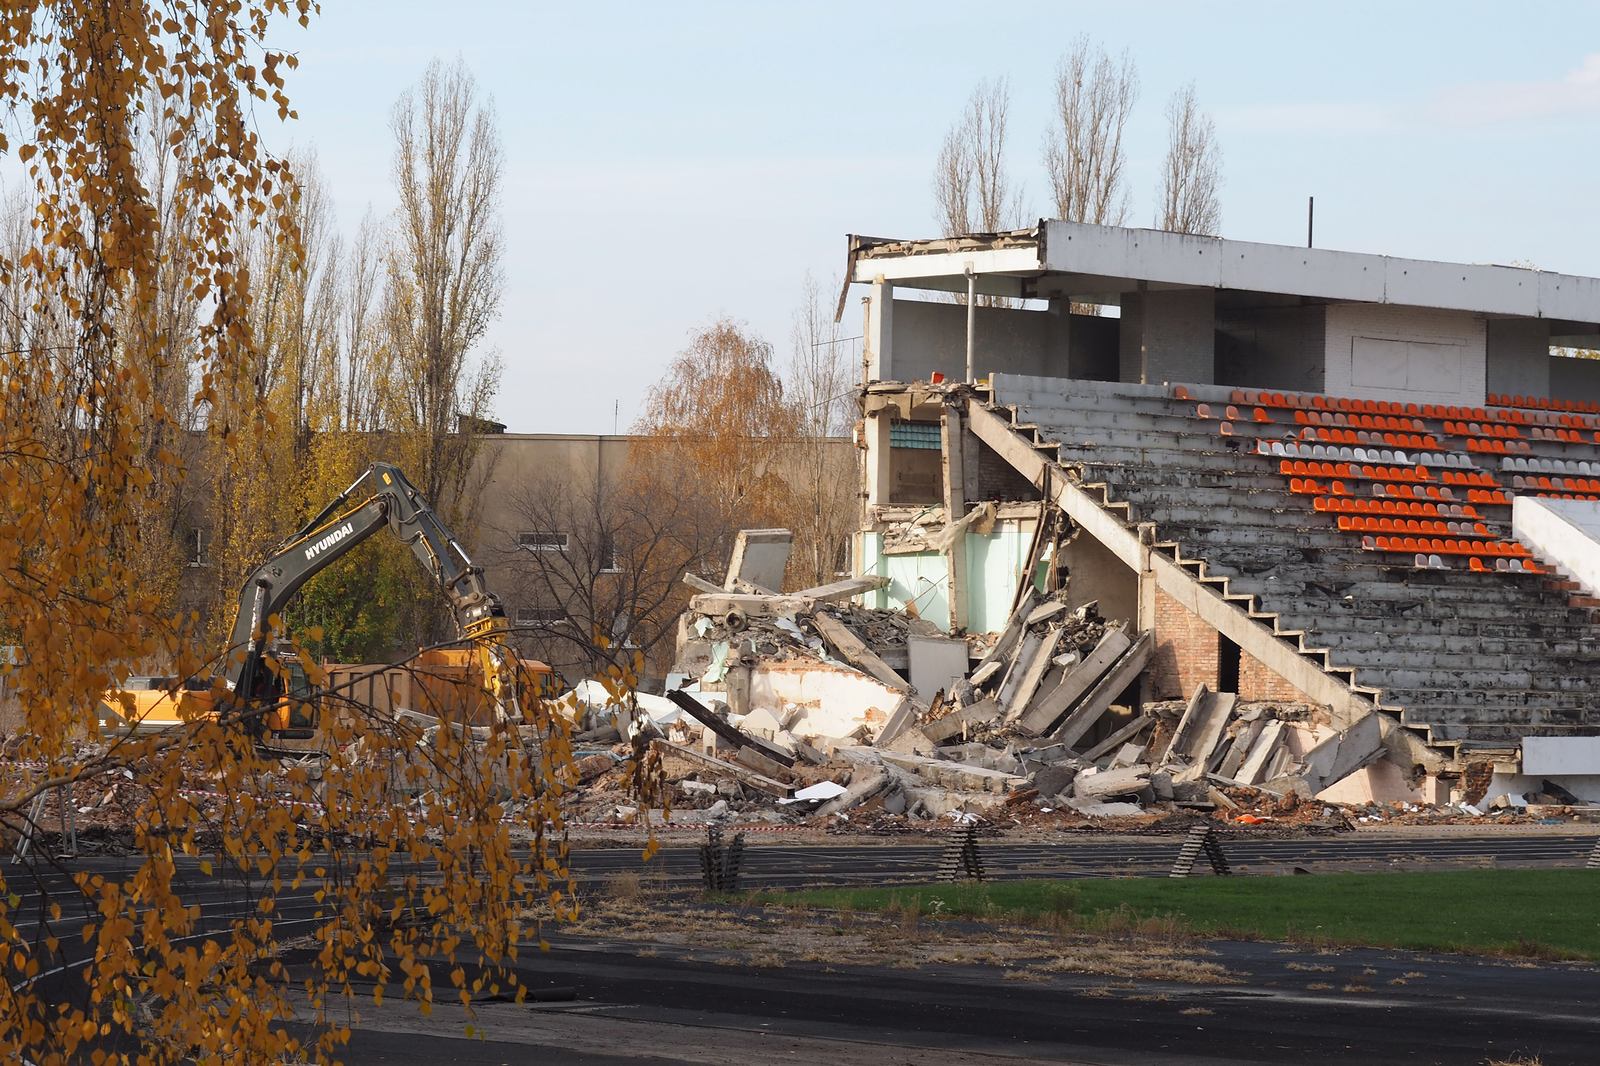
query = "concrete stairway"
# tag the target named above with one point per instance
(1461, 657)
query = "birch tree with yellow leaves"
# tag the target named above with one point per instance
(405, 864)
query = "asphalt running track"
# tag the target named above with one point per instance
(616, 1005)
(608, 1005)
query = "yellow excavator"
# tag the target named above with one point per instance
(268, 691)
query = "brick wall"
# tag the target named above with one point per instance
(1187, 654)
(1256, 682)
(997, 479)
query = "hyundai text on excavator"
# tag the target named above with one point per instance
(268, 692)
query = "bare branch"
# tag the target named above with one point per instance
(822, 382)
(616, 580)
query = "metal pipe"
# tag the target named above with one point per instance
(972, 313)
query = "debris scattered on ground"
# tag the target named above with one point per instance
(810, 709)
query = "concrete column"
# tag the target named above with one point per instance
(879, 341)
(955, 506)
(875, 431)
(1147, 599)
(1169, 336)
(1517, 356)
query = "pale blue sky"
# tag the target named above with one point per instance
(667, 163)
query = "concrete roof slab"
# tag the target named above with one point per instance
(1057, 252)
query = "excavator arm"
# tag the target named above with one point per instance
(382, 496)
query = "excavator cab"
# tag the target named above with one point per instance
(299, 705)
(293, 714)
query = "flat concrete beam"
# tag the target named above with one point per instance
(1022, 259)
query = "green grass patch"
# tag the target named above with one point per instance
(1527, 913)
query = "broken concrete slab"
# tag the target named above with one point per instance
(867, 783)
(1034, 672)
(1049, 707)
(1128, 755)
(963, 718)
(762, 724)
(1342, 754)
(961, 777)
(1206, 722)
(714, 722)
(936, 663)
(1027, 651)
(1095, 809)
(1239, 747)
(1125, 781)
(983, 755)
(759, 558)
(1220, 798)
(1121, 736)
(855, 651)
(700, 584)
(985, 672)
(735, 608)
(755, 779)
(758, 761)
(1097, 700)
(1001, 653)
(1055, 779)
(931, 801)
(1262, 752)
(1044, 612)
(843, 589)
(910, 741)
(905, 713)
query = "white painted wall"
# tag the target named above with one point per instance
(1563, 532)
(1585, 786)
(835, 700)
(1559, 756)
(1407, 354)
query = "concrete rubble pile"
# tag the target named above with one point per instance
(802, 706)
(794, 706)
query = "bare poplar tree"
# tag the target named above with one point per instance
(1192, 176)
(822, 384)
(970, 182)
(952, 183)
(1083, 151)
(444, 273)
(365, 348)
